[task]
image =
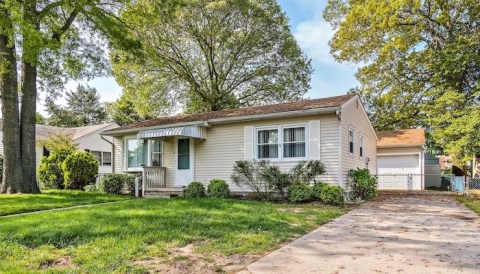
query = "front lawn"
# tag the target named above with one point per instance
(49, 199)
(145, 234)
(472, 203)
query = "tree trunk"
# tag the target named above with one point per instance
(12, 172)
(27, 119)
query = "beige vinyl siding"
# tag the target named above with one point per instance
(169, 160)
(216, 156)
(354, 117)
(117, 155)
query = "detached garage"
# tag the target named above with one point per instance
(400, 159)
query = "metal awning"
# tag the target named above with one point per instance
(187, 131)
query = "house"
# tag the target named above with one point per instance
(174, 151)
(401, 159)
(87, 138)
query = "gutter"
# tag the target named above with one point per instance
(225, 120)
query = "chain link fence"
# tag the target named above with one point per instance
(473, 187)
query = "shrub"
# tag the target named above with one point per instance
(194, 190)
(114, 183)
(50, 173)
(218, 189)
(317, 190)
(251, 174)
(300, 192)
(332, 195)
(90, 188)
(79, 170)
(306, 171)
(362, 184)
(275, 179)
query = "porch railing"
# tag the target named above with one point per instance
(153, 177)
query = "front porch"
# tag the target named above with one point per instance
(154, 184)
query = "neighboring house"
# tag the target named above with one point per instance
(88, 138)
(174, 151)
(400, 159)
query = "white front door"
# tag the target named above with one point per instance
(184, 161)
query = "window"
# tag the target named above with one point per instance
(351, 140)
(97, 155)
(183, 153)
(267, 144)
(106, 158)
(294, 142)
(137, 152)
(361, 146)
(142, 153)
(291, 143)
(156, 153)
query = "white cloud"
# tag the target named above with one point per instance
(313, 37)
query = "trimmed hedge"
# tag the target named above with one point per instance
(194, 190)
(50, 173)
(218, 189)
(79, 169)
(114, 183)
(300, 192)
(332, 195)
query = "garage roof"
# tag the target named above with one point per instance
(401, 138)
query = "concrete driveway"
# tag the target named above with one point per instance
(394, 234)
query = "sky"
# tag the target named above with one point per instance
(312, 33)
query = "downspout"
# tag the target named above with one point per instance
(113, 151)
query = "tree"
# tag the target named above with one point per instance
(83, 109)
(211, 55)
(48, 42)
(122, 112)
(40, 119)
(420, 64)
(59, 141)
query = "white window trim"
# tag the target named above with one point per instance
(362, 145)
(149, 150)
(350, 128)
(280, 129)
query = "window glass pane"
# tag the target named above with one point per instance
(137, 153)
(184, 154)
(267, 144)
(107, 158)
(97, 155)
(268, 136)
(294, 134)
(292, 150)
(156, 159)
(267, 151)
(156, 146)
(294, 142)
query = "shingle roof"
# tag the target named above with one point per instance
(401, 138)
(43, 132)
(239, 112)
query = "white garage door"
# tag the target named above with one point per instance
(399, 172)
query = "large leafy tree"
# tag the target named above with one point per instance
(420, 64)
(83, 108)
(123, 112)
(48, 42)
(211, 55)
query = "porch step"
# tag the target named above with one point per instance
(164, 193)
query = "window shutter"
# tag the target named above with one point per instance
(314, 139)
(248, 142)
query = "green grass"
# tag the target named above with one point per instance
(49, 199)
(472, 203)
(110, 238)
